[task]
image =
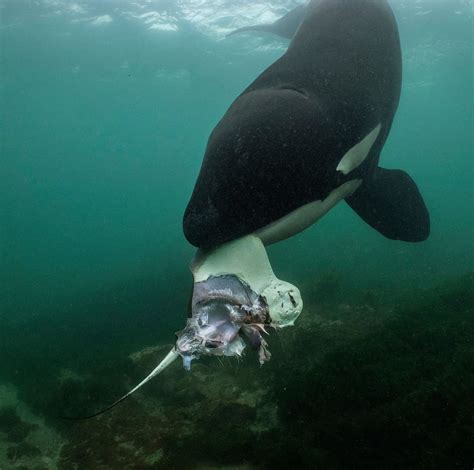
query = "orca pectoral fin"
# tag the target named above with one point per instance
(392, 204)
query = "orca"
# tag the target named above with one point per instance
(308, 133)
(305, 135)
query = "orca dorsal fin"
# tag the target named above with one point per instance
(391, 203)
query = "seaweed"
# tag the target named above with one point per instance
(400, 397)
(352, 385)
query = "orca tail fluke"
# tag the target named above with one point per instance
(264, 28)
(285, 27)
(392, 204)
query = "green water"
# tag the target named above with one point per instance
(103, 124)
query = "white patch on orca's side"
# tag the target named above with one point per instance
(301, 218)
(357, 154)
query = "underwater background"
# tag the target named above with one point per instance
(105, 111)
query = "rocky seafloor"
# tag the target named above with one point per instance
(365, 384)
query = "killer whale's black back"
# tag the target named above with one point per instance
(346, 56)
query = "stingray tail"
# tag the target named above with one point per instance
(170, 357)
